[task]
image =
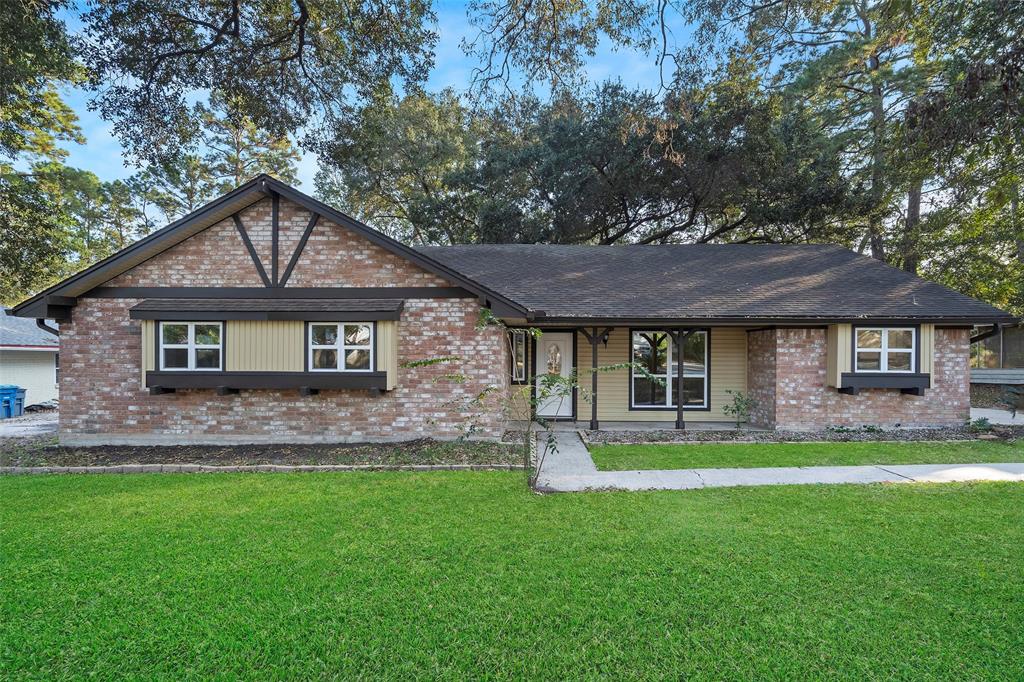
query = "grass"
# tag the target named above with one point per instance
(714, 455)
(468, 574)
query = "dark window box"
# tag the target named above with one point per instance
(914, 384)
(232, 382)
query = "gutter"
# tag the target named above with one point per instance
(41, 323)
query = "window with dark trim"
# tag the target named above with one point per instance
(341, 347)
(884, 349)
(517, 344)
(653, 350)
(191, 346)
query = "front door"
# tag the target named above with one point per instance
(554, 357)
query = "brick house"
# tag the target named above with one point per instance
(267, 316)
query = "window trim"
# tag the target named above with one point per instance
(883, 351)
(517, 338)
(191, 346)
(340, 347)
(671, 407)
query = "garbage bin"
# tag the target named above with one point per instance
(12, 401)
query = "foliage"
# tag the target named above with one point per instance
(740, 406)
(448, 574)
(720, 161)
(745, 455)
(289, 66)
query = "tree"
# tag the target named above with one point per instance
(34, 55)
(615, 165)
(290, 66)
(238, 150)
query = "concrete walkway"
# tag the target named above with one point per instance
(1003, 417)
(570, 469)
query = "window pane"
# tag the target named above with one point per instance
(518, 356)
(175, 333)
(325, 359)
(357, 334)
(208, 334)
(869, 360)
(176, 358)
(899, 362)
(357, 359)
(554, 363)
(648, 392)
(901, 338)
(869, 338)
(693, 390)
(208, 358)
(323, 334)
(693, 352)
(654, 359)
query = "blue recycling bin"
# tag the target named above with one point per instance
(12, 401)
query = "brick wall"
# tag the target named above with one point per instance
(103, 400)
(787, 374)
(333, 257)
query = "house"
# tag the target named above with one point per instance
(269, 316)
(29, 358)
(997, 355)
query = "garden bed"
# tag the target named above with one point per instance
(44, 452)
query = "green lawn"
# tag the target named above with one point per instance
(468, 574)
(713, 455)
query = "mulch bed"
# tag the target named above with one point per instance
(44, 451)
(836, 435)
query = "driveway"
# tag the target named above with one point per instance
(32, 424)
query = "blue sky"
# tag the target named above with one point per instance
(102, 153)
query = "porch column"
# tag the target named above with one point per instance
(594, 337)
(678, 336)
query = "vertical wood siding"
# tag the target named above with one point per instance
(262, 346)
(387, 351)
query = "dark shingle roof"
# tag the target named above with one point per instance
(19, 331)
(707, 281)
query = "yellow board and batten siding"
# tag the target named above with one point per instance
(275, 346)
(840, 351)
(727, 369)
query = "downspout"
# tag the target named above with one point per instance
(41, 323)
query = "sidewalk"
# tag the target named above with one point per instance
(570, 469)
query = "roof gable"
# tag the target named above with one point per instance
(224, 208)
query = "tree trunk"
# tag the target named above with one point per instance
(909, 243)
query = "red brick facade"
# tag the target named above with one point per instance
(103, 400)
(786, 373)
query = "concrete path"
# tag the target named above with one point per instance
(570, 469)
(1002, 417)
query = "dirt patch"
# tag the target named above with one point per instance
(44, 451)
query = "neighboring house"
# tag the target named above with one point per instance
(28, 358)
(269, 316)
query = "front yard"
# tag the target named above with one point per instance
(468, 574)
(725, 455)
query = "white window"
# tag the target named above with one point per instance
(517, 339)
(190, 346)
(885, 349)
(340, 347)
(655, 387)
